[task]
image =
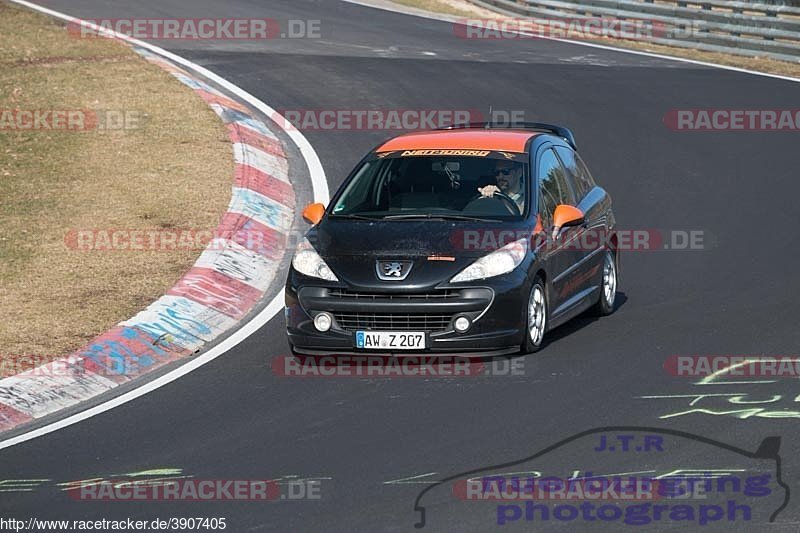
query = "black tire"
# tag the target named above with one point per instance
(605, 302)
(533, 342)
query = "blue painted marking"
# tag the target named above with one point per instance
(193, 83)
(261, 208)
(232, 115)
(117, 358)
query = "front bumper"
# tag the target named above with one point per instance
(496, 310)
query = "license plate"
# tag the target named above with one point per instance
(383, 340)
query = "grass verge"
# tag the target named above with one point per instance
(169, 166)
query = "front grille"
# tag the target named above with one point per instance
(447, 294)
(352, 321)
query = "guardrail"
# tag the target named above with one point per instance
(755, 29)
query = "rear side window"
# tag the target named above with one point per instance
(578, 172)
(554, 187)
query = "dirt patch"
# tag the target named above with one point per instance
(166, 161)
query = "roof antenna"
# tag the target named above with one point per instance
(488, 122)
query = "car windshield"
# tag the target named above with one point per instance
(487, 185)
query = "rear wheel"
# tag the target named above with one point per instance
(608, 286)
(536, 317)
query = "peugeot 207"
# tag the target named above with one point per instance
(469, 240)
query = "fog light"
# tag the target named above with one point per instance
(462, 324)
(323, 322)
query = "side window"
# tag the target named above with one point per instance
(577, 177)
(554, 188)
(585, 175)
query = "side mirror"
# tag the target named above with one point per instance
(566, 215)
(313, 213)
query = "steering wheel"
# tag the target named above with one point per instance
(510, 204)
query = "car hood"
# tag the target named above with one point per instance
(436, 250)
(406, 238)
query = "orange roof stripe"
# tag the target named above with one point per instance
(466, 139)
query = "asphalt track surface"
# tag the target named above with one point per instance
(235, 419)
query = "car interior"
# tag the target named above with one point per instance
(430, 183)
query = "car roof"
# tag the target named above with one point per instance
(505, 140)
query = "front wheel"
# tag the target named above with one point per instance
(608, 286)
(537, 318)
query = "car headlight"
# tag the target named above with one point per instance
(498, 262)
(307, 261)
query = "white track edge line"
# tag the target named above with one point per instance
(319, 185)
(451, 18)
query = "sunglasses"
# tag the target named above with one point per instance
(503, 171)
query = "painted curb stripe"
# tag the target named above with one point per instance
(261, 208)
(42, 393)
(231, 115)
(220, 100)
(185, 322)
(271, 164)
(10, 417)
(160, 62)
(227, 281)
(217, 291)
(248, 126)
(239, 263)
(193, 82)
(265, 184)
(124, 353)
(242, 134)
(252, 235)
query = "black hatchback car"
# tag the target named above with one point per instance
(473, 240)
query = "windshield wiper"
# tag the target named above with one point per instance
(443, 216)
(355, 217)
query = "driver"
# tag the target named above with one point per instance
(509, 182)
